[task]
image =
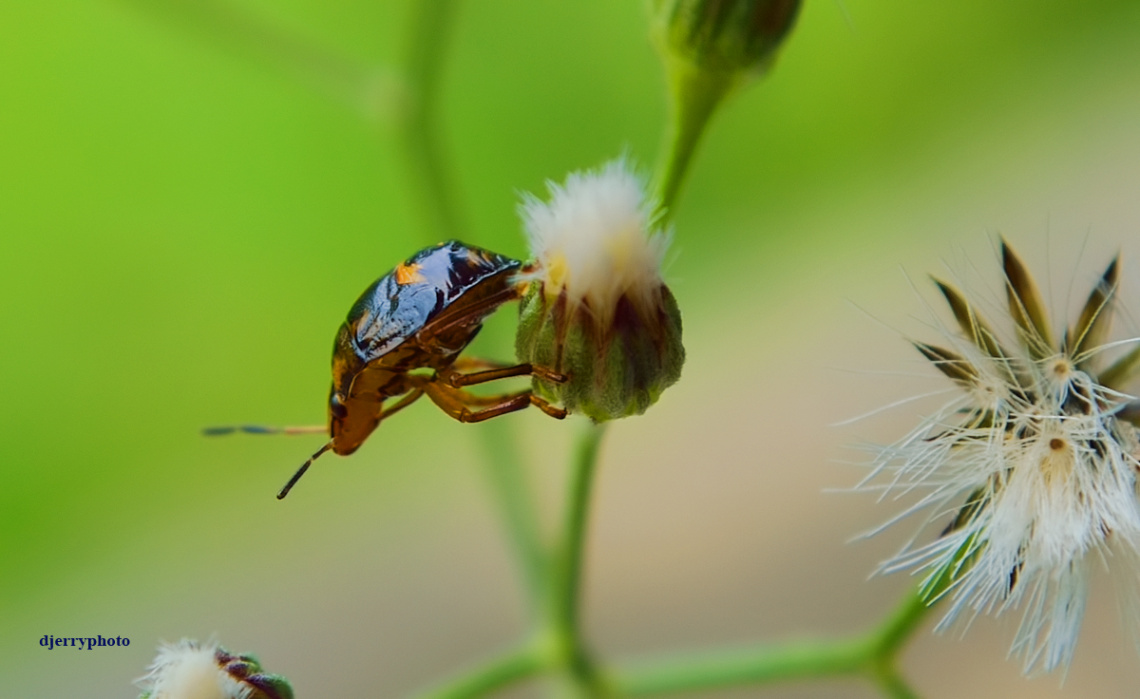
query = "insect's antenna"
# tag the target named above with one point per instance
(263, 429)
(301, 471)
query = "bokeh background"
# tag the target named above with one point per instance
(190, 199)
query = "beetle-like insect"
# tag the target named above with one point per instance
(420, 315)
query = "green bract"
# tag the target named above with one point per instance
(723, 35)
(613, 371)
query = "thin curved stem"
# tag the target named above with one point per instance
(893, 686)
(494, 674)
(505, 474)
(694, 96)
(872, 655)
(762, 665)
(373, 91)
(566, 568)
(439, 209)
(889, 638)
(434, 188)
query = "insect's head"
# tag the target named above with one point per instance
(352, 417)
(351, 420)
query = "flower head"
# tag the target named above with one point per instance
(720, 35)
(597, 308)
(1034, 462)
(192, 670)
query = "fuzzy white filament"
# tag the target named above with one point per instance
(593, 239)
(1035, 468)
(189, 670)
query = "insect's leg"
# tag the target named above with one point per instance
(465, 363)
(472, 399)
(551, 410)
(455, 402)
(409, 398)
(458, 379)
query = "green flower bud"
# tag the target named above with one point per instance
(723, 35)
(597, 309)
(708, 49)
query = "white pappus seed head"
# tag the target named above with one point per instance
(192, 670)
(594, 239)
(1030, 472)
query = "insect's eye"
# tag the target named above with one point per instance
(337, 408)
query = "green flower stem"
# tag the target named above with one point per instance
(566, 641)
(893, 686)
(440, 211)
(758, 666)
(693, 95)
(438, 207)
(889, 638)
(872, 656)
(505, 473)
(762, 665)
(492, 675)
(559, 645)
(371, 89)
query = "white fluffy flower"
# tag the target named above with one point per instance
(596, 308)
(595, 239)
(192, 670)
(1035, 463)
(187, 670)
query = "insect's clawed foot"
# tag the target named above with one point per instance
(553, 411)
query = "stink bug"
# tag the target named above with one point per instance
(420, 315)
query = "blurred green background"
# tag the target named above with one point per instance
(186, 217)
